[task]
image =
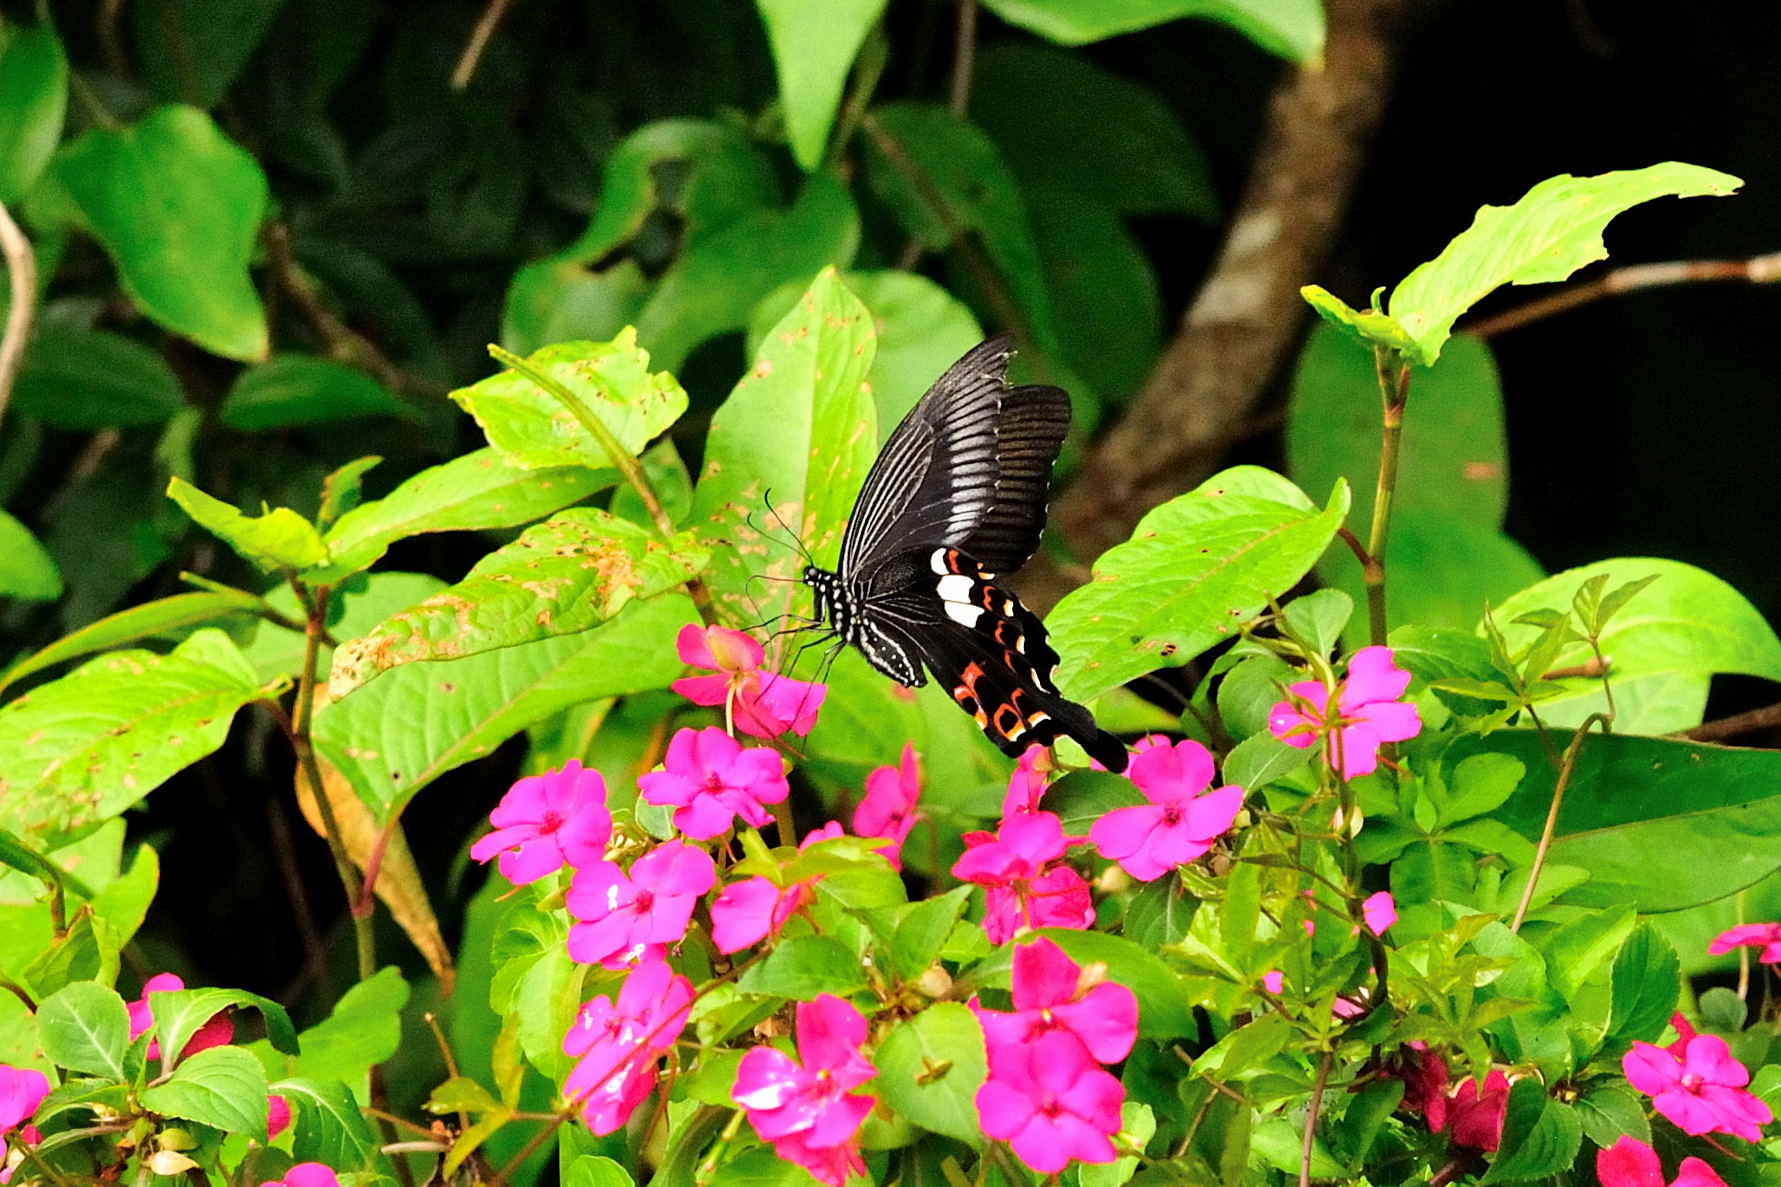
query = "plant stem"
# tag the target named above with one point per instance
(1566, 767)
(1323, 1077)
(964, 58)
(1394, 393)
(1762, 269)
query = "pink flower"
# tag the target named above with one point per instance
(278, 1116)
(1027, 783)
(889, 807)
(1631, 1163)
(1022, 888)
(832, 831)
(1050, 1101)
(215, 1033)
(1766, 936)
(1700, 1087)
(1380, 911)
(1478, 1118)
(1052, 995)
(748, 912)
(619, 1044)
(1274, 981)
(306, 1174)
(546, 822)
(1182, 819)
(1684, 1032)
(762, 704)
(22, 1089)
(624, 919)
(710, 780)
(1425, 1076)
(808, 1111)
(1367, 713)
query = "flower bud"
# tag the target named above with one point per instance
(936, 982)
(169, 1163)
(176, 1139)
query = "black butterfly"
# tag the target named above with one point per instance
(957, 496)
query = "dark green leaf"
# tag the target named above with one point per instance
(179, 1014)
(85, 1028)
(364, 1029)
(194, 49)
(223, 1087)
(297, 389)
(1540, 1136)
(1607, 1113)
(93, 379)
(1260, 759)
(1103, 291)
(88, 952)
(1083, 797)
(1159, 913)
(1165, 1009)
(803, 967)
(33, 100)
(930, 1068)
(922, 932)
(326, 1124)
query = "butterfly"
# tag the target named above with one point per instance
(956, 497)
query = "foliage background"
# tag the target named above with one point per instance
(1637, 425)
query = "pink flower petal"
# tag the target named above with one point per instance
(1628, 1163)
(1372, 676)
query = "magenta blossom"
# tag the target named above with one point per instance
(832, 831)
(1022, 885)
(1367, 713)
(217, 1032)
(22, 1089)
(1182, 819)
(619, 1044)
(1052, 994)
(1027, 783)
(1631, 1163)
(1424, 1073)
(1766, 936)
(748, 912)
(710, 780)
(762, 704)
(807, 1109)
(278, 1116)
(1478, 1116)
(1700, 1087)
(888, 810)
(1051, 1102)
(1274, 981)
(1380, 911)
(546, 822)
(306, 1174)
(623, 919)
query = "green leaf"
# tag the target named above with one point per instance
(922, 932)
(1060, 146)
(298, 389)
(1607, 1113)
(803, 967)
(278, 540)
(1317, 618)
(713, 288)
(1083, 797)
(1159, 913)
(1555, 229)
(798, 425)
(364, 1029)
(326, 1124)
(85, 1028)
(358, 605)
(177, 205)
(88, 952)
(1368, 327)
(469, 493)
(94, 379)
(1260, 759)
(33, 100)
(1195, 569)
(1711, 811)
(1645, 979)
(180, 1013)
(1443, 571)
(398, 733)
(1291, 28)
(223, 1087)
(1103, 291)
(194, 49)
(532, 429)
(590, 1170)
(814, 43)
(564, 576)
(1540, 1136)
(930, 1068)
(79, 750)
(26, 571)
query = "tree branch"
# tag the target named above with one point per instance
(1763, 269)
(21, 270)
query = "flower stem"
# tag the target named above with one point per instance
(1394, 393)
(1323, 1078)
(1566, 767)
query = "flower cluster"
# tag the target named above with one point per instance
(619, 1043)
(1025, 882)
(807, 1107)
(546, 822)
(1048, 1095)
(1697, 1084)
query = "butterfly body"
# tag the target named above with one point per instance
(956, 496)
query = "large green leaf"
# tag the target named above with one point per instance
(79, 750)
(533, 430)
(300, 389)
(177, 205)
(275, 540)
(164, 616)
(363, 1029)
(930, 1068)
(401, 731)
(223, 1087)
(27, 572)
(179, 1014)
(1711, 812)
(1195, 569)
(1553, 230)
(1540, 1136)
(195, 49)
(800, 426)
(814, 43)
(469, 493)
(85, 1028)
(92, 379)
(1291, 28)
(561, 577)
(1061, 146)
(326, 1125)
(804, 967)
(33, 100)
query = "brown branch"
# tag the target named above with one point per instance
(1248, 314)
(479, 41)
(1766, 717)
(21, 270)
(1763, 269)
(964, 58)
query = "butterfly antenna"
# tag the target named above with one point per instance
(791, 532)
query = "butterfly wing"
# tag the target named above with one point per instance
(969, 468)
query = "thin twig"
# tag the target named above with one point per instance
(964, 57)
(1731, 727)
(1566, 767)
(21, 270)
(1763, 269)
(479, 40)
(1323, 1078)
